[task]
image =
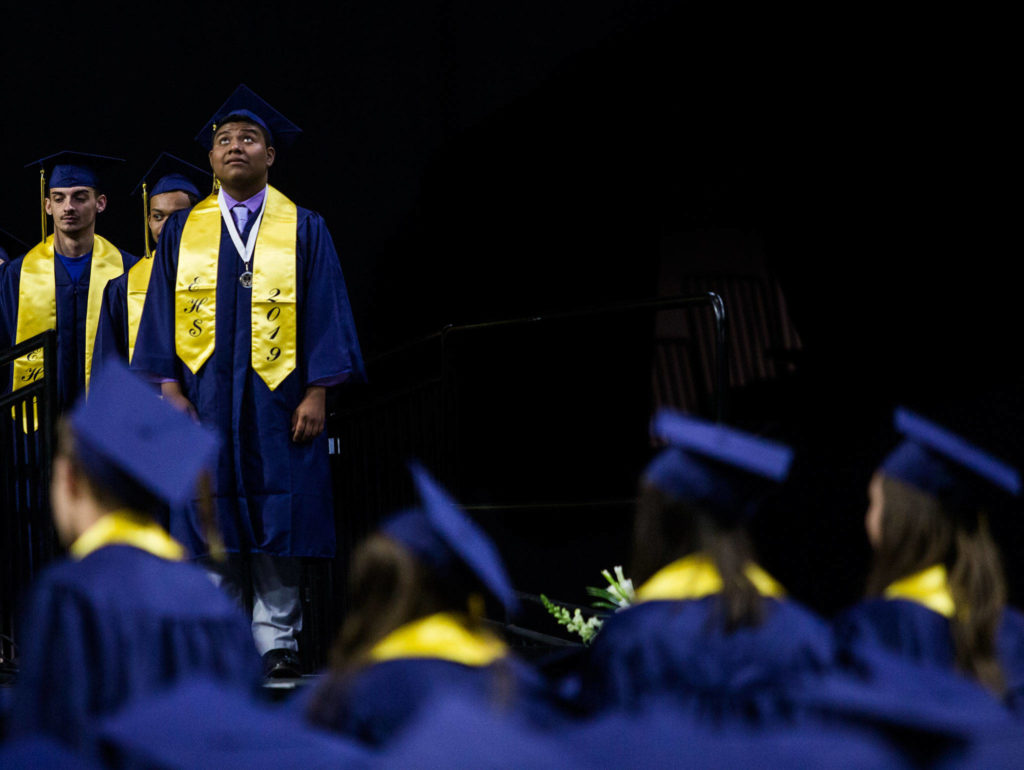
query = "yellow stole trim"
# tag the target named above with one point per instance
(138, 284)
(37, 303)
(695, 576)
(125, 527)
(443, 636)
(274, 288)
(929, 588)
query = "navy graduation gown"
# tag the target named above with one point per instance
(680, 650)
(72, 306)
(272, 495)
(112, 332)
(376, 703)
(919, 634)
(116, 625)
(201, 723)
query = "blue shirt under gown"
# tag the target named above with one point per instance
(117, 624)
(272, 495)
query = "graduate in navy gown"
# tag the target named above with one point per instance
(247, 323)
(59, 283)
(711, 631)
(125, 615)
(414, 631)
(936, 592)
(170, 185)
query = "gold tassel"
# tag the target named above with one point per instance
(216, 181)
(42, 198)
(145, 220)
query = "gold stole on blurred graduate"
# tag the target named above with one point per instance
(127, 527)
(929, 588)
(443, 636)
(37, 303)
(274, 288)
(138, 284)
(695, 576)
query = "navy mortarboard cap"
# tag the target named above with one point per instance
(722, 469)
(244, 104)
(444, 538)
(137, 444)
(74, 169)
(941, 463)
(169, 174)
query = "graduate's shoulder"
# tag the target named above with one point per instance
(99, 578)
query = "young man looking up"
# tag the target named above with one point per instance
(246, 323)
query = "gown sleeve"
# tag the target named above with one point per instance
(330, 346)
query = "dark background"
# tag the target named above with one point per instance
(477, 161)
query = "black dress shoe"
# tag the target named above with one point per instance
(281, 664)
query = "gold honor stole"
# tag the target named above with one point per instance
(138, 283)
(441, 636)
(695, 576)
(274, 293)
(929, 588)
(126, 527)
(37, 302)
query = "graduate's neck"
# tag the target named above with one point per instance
(242, 191)
(76, 244)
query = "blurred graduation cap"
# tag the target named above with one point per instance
(137, 444)
(938, 461)
(170, 174)
(245, 105)
(68, 168)
(447, 540)
(722, 469)
(11, 245)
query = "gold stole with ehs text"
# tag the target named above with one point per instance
(273, 314)
(37, 303)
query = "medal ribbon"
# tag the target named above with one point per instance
(274, 285)
(695, 576)
(443, 636)
(138, 284)
(126, 527)
(929, 588)
(37, 302)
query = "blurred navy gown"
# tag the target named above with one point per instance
(676, 646)
(119, 623)
(270, 492)
(914, 631)
(375, 703)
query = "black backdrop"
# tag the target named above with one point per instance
(482, 160)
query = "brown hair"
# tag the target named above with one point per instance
(666, 529)
(918, 530)
(388, 588)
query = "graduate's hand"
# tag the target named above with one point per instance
(310, 415)
(174, 396)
